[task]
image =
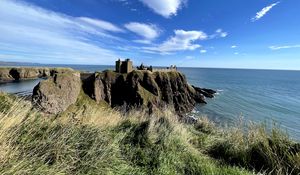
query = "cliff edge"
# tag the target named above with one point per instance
(141, 89)
(22, 73)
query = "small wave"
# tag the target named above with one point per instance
(195, 111)
(219, 91)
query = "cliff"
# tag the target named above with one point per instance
(141, 89)
(145, 89)
(23, 73)
(58, 92)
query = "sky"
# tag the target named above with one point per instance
(259, 34)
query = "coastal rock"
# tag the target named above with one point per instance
(145, 89)
(4, 74)
(137, 89)
(206, 92)
(58, 92)
(23, 73)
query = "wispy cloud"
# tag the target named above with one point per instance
(32, 33)
(189, 57)
(183, 40)
(263, 12)
(284, 47)
(101, 24)
(35, 34)
(147, 31)
(219, 33)
(234, 46)
(203, 51)
(143, 41)
(166, 8)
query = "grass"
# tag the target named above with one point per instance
(90, 138)
(271, 152)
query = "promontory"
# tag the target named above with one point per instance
(145, 89)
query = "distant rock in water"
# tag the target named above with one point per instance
(23, 73)
(141, 89)
(58, 92)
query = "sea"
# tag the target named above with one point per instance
(260, 96)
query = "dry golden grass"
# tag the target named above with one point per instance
(91, 138)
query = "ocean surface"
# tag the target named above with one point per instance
(255, 95)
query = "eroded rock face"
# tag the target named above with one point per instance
(141, 89)
(58, 92)
(145, 89)
(23, 73)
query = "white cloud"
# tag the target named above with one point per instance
(219, 33)
(147, 31)
(34, 34)
(166, 8)
(236, 53)
(233, 46)
(263, 12)
(189, 57)
(183, 40)
(101, 24)
(203, 51)
(142, 41)
(284, 47)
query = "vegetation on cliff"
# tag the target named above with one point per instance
(89, 138)
(142, 89)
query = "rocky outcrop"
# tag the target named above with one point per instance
(58, 92)
(23, 73)
(145, 89)
(141, 89)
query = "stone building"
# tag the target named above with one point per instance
(124, 66)
(142, 67)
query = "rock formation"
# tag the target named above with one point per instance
(145, 89)
(23, 73)
(58, 92)
(141, 89)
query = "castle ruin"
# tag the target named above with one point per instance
(127, 67)
(124, 66)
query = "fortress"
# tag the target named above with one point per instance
(124, 66)
(127, 67)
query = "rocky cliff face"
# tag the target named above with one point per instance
(141, 89)
(10, 74)
(58, 92)
(145, 89)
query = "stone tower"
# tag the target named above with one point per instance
(124, 66)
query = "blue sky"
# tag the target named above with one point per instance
(263, 34)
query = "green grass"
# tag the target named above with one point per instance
(89, 138)
(256, 149)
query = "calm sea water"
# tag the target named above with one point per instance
(256, 95)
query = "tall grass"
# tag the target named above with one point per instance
(253, 147)
(90, 138)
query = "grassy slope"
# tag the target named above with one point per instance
(89, 138)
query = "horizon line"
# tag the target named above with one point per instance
(78, 64)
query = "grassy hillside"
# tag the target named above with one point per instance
(90, 138)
